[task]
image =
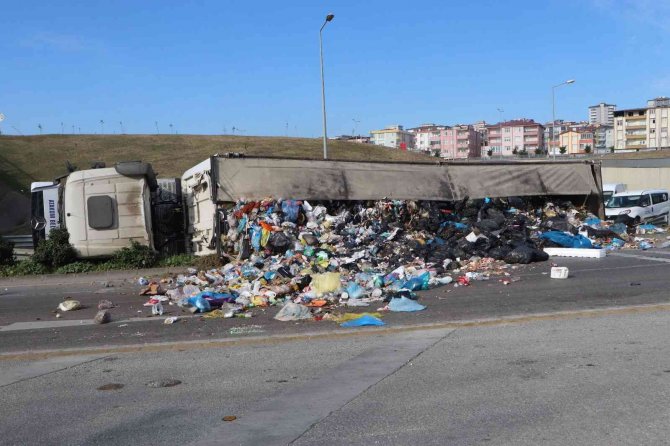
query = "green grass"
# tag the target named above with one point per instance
(24, 159)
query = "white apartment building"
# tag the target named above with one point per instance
(602, 114)
(394, 136)
(426, 136)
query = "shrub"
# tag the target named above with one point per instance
(136, 256)
(6, 252)
(76, 267)
(56, 251)
(178, 260)
(25, 267)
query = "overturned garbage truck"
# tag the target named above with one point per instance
(106, 209)
(211, 187)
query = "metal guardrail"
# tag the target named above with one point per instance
(20, 241)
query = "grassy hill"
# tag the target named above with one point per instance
(32, 158)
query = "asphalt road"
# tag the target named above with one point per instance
(600, 380)
(538, 361)
(27, 320)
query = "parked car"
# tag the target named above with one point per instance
(641, 205)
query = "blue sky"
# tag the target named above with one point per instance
(206, 66)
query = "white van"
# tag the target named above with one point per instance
(641, 205)
(610, 189)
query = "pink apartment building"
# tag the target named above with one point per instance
(452, 142)
(517, 135)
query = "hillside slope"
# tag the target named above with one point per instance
(32, 158)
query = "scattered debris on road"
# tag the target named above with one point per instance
(102, 317)
(163, 383)
(312, 259)
(69, 304)
(111, 386)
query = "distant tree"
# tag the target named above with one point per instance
(515, 151)
(539, 151)
(489, 152)
(587, 149)
(523, 152)
(612, 149)
(562, 150)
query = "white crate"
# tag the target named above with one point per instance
(576, 252)
(559, 272)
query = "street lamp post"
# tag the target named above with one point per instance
(329, 17)
(553, 112)
(501, 111)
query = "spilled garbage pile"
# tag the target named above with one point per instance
(310, 259)
(316, 260)
(568, 227)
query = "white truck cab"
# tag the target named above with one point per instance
(640, 205)
(106, 209)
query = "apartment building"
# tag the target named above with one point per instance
(602, 114)
(630, 129)
(604, 138)
(453, 142)
(394, 136)
(578, 141)
(519, 135)
(427, 137)
(552, 133)
(643, 128)
(460, 141)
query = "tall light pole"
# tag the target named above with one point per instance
(329, 17)
(553, 112)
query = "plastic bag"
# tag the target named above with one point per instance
(291, 208)
(567, 240)
(404, 304)
(199, 303)
(418, 283)
(293, 312)
(363, 321)
(325, 283)
(69, 305)
(525, 254)
(354, 290)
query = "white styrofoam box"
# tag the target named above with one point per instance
(559, 272)
(576, 252)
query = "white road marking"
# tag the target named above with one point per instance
(637, 256)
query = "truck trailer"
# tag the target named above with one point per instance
(105, 209)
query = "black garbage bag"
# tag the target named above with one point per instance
(279, 242)
(496, 215)
(488, 225)
(525, 254)
(516, 202)
(499, 252)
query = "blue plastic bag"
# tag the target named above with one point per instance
(354, 290)
(418, 283)
(404, 304)
(290, 208)
(363, 321)
(592, 221)
(200, 303)
(256, 234)
(567, 240)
